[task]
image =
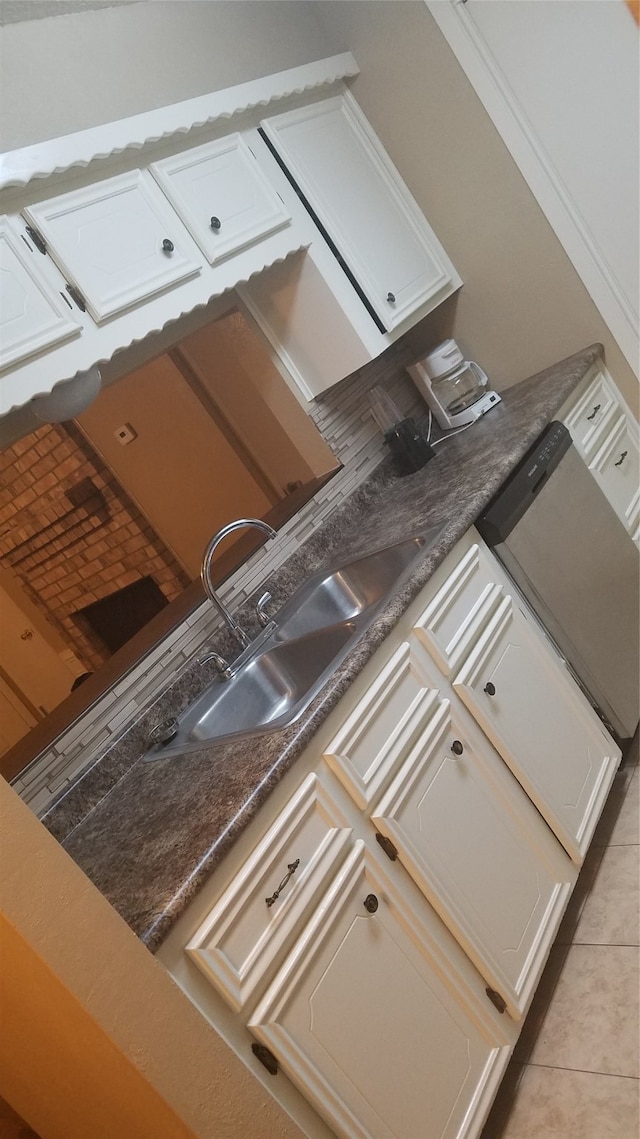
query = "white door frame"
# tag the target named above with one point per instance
(457, 26)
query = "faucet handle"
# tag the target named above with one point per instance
(263, 618)
(223, 668)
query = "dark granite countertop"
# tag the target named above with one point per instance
(149, 835)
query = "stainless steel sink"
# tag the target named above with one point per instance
(314, 632)
(270, 689)
(350, 591)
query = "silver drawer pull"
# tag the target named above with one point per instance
(621, 459)
(292, 867)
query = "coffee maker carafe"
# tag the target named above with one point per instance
(455, 389)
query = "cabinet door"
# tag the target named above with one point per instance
(616, 467)
(221, 195)
(480, 853)
(349, 182)
(370, 1019)
(31, 317)
(116, 241)
(541, 724)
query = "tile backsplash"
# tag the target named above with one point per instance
(342, 415)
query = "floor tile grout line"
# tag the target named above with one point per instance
(583, 1071)
(606, 944)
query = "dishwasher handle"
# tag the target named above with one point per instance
(516, 495)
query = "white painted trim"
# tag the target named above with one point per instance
(571, 229)
(18, 167)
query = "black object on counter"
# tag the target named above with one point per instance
(408, 446)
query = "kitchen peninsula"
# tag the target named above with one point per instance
(148, 835)
(180, 846)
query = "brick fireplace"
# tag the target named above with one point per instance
(71, 535)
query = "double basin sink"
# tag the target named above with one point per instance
(279, 676)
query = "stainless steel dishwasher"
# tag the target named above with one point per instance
(559, 539)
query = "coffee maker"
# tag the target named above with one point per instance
(455, 389)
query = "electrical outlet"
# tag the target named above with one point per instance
(125, 434)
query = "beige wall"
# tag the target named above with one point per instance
(75, 71)
(97, 1041)
(235, 368)
(522, 306)
(181, 471)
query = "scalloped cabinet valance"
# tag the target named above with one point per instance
(116, 232)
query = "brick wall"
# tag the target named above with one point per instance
(72, 536)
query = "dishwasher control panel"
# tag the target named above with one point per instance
(515, 495)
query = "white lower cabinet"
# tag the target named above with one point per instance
(543, 727)
(258, 913)
(457, 821)
(474, 845)
(616, 468)
(606, 435)
(380, 941)
(373, 1019)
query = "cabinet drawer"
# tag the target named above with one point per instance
(221, 195)
(261, 909)
(119, 241)
(616, 467)
(466, 595)
(383, 727)
(590, 412)
(31, 317)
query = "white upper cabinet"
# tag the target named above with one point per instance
(141, 248)
(32, 317)
(118, 241)
(221, 195)
(378, 232)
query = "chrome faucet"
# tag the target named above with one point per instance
(241, 637)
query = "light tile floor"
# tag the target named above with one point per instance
(575, 1073)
